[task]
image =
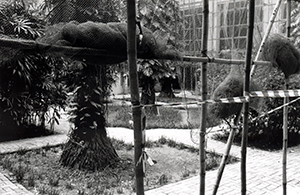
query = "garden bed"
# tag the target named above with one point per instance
(40, 171)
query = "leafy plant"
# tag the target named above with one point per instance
(54, 181)
(89, 10)
(19, 20)
(31, 179)
(30, 84)
(150, 72)
(19, 172)
(266, 131)
(30, 89)
(162, 18)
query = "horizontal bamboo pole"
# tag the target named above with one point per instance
(49, 48)
(90, 52)
(221, 61)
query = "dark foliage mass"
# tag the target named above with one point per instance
(267, 131)
(231, 86)
(31, 91)
(282, 53)
(110, 37)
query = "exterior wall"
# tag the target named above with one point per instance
(225, 33)
(121, 86)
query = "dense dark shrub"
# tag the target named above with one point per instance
(267, 131)
(31, 94)
(31, 91)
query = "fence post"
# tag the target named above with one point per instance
(285, 112)
(246, 92)
(135, 97)
(204, 97)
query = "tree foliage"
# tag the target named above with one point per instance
(88, 146)
(20, 21)
(85, 10)
(150, 72)
(162, 18)
(267, 130)
(31, 90)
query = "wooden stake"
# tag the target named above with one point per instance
(204, 97)
(135, 99)
(285, 139)
(226, 153)
(246, 90)
(285, 113)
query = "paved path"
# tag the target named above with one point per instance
(263, 168)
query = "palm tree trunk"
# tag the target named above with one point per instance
(148, 98)
(166, 88)
(88, 146)
(94, 154)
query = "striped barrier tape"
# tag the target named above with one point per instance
(276, 93)
(241, 99)
(275, 109)
(228, 100)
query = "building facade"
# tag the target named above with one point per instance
(227, 24)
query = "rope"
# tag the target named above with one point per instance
(275, 109)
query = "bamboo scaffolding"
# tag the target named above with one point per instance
(135, 99)
(285, 113)
(246, 91)
(226, 153)
(285, 139)
(270, 25)
(255, 63)
(204, 97)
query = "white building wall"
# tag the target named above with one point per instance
(266, 6)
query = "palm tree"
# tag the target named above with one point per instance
(88, 146)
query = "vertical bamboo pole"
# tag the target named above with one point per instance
(246, 91)
(285, 139)
(135, 99)
(226, 153)
(204, 96)
(288, 18)
(271, 22)
(285, 112)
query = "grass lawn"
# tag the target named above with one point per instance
(40, 172)
(169, 117)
